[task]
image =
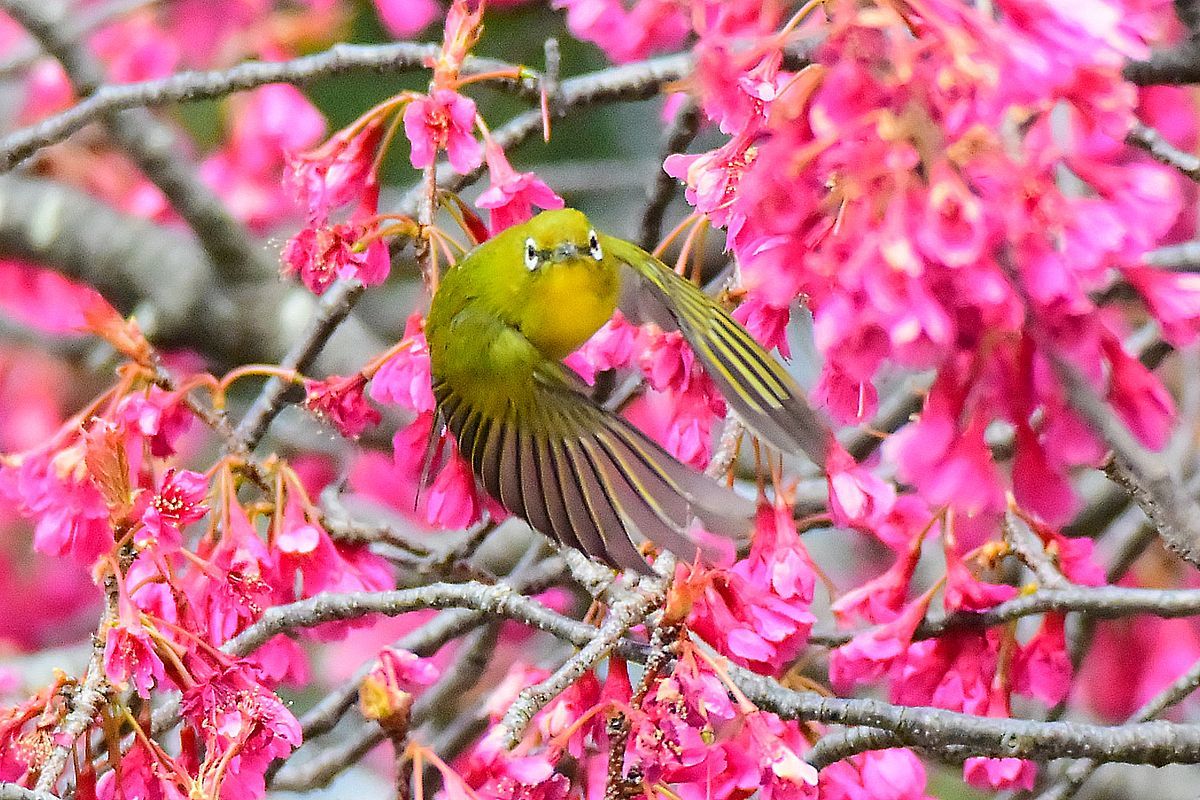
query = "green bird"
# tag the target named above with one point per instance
(500, 323)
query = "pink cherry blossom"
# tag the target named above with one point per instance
(404, 18)
(955, 671)
(873, 653)
(626, 34)
(894, 774)
(234, 715)
(1139, 398)
(511, 195)
(303, 550)
(129, 656)
(614, 346)
(1041, 668)
(322, 255)
(340, 401)
(453, 500)
(403, 379)
(444, 120)
(857, 497)
(757, 611)
(139, 777)
(1000, 773)
(236, 593)
(880, 599)
(178, 502)
(966, 592)
(335, 174)
(407, 669)
(70, 514)
(493, 772)
(766, 323)
(784, 775)
(159, 416)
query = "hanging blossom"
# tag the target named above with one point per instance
(341, 401)
(757, 611)
(243, 728)
(511, 194)
(403, 380)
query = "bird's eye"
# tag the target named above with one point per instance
(594, 246)
(531, 254)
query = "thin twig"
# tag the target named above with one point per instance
(191, 86)
(86, 702)
(499, 600)
(1147, 138)
(1029, 548)
(334, 307)
(1172, 66)
(663, 189)
(467, 669)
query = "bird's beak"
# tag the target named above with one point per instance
(564, 252)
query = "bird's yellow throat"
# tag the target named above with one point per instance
(567, 303)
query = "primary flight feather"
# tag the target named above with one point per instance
(502, 320)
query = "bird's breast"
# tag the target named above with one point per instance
(567, 305)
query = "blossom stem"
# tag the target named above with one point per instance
(509, 74)
(384, 143)
(686, 223)
(262, 370)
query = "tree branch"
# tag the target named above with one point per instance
(1177, 692)
(153, 146)
(332, 309)
(1156, 742)
(1029, 548)
(468, 667)
(626, 612)
(499, 600)
(84, 705)
(1097, 601)
(10, 791)
(659, 194)
(340, 59)
(424, 641)
(833, 747)
(1171, 66)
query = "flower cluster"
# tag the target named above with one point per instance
(945, 188)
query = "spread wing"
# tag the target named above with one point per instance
(588, 478)
(762, 393)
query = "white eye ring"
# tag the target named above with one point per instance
(594, 246)
(531, 255)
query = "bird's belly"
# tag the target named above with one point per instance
(567, 309)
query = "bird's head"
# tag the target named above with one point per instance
(559, 237)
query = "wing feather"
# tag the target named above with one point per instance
(553, 501)
(605, 507)
(583, 524)
(763, 394)
(534, 486)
